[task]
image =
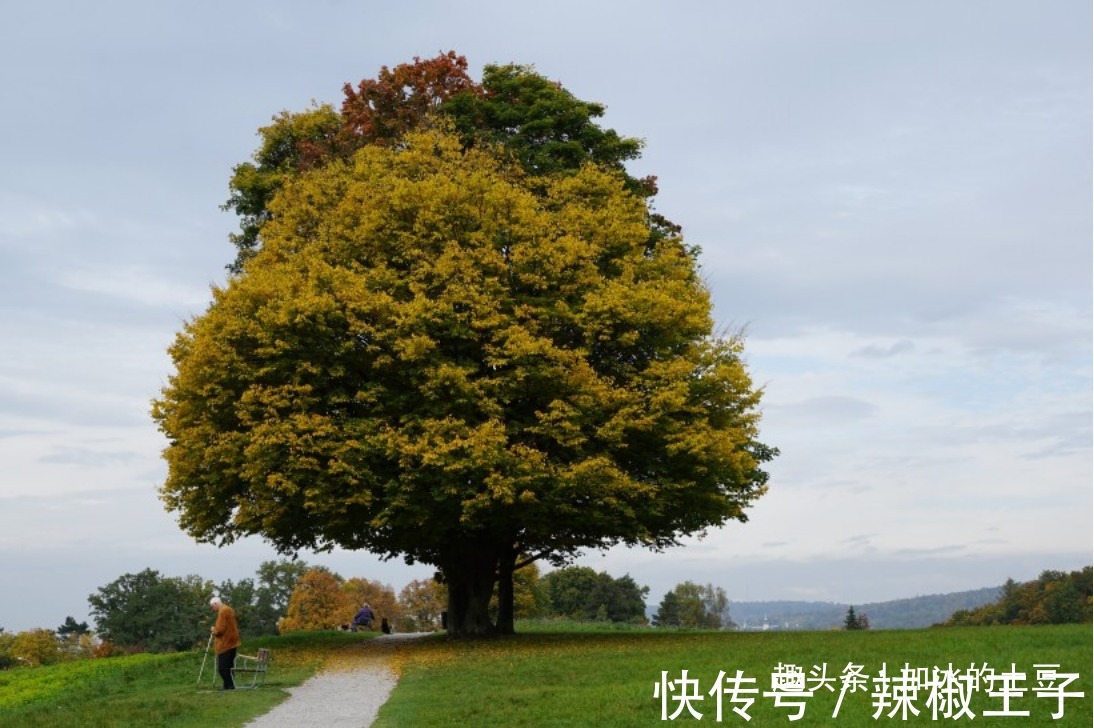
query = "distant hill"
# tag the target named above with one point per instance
(910, 613)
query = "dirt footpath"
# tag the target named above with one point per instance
(340, 697)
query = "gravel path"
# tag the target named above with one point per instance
(343, 698)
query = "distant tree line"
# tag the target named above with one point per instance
(1054, 597)
(150, 612)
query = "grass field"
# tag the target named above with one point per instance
(608, 679)
(157, 690)
(566, 675)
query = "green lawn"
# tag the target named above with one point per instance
(563, 675)
(608, 679)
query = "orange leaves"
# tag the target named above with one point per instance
(398, 99)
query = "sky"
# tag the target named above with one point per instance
(893, 202)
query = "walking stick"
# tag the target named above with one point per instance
(207, 646)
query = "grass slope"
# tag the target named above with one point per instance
(156, 690)
(553, 675)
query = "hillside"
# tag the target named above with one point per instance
(912, 613)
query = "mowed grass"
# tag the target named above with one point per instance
(158, 690)
(608, 678)
(555, 675)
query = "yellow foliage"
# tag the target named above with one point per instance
(435, 356)
(37, 647)
(317, 602)
(380, 597)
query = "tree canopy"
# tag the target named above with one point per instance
(579, 592)
(147, 611)
(540, 123)
(694, 606)
(440, 354)
(1054, 597)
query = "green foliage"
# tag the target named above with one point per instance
(542, 124)
(150, 612)
(281, 156)
(693, 606)
(855, 621)
(580, 593)
(261, 602)
(276, 582)
(7, 659)
(241, 597)
(72, 627)
(1053, 598)
(260, 605)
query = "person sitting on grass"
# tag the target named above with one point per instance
(364, 618)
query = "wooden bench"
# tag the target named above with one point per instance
(255, 666)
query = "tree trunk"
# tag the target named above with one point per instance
(470, 585)
(505, 592)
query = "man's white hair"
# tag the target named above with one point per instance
(215, 602)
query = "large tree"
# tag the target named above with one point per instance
(437, 355)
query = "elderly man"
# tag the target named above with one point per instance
(364, 618)
(225, 640)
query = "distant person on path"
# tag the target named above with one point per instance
(364, 618)
(225, 640)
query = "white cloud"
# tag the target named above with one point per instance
(141, 284)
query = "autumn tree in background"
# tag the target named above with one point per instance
(37, 647)
(473, 348)
(421, 603)
(380, 597)
(1054, 597)
(317, 603)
